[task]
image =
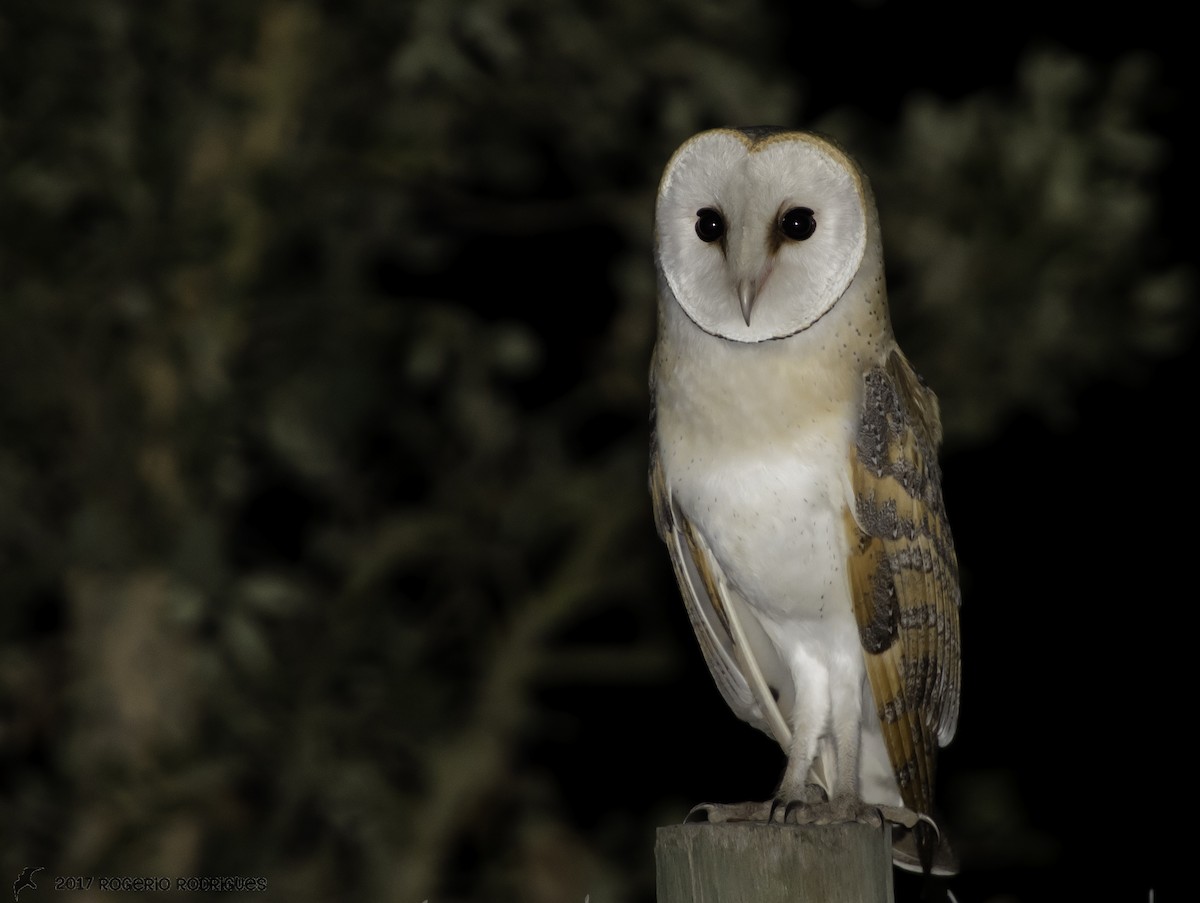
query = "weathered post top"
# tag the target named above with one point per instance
(754, 862)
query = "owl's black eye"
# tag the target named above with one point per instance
(797, 224)
(709, 224)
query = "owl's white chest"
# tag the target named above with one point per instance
(755, 443)
(773, 513)
(755, 452)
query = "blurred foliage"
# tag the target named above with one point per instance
(1024, 240)
(324, 331)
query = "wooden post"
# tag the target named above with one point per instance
(751, 862)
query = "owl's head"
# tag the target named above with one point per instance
(760, 231)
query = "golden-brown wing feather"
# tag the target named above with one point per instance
(904, 575)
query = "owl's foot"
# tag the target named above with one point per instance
(772, 810)
(809, 807)
(905, 818)
(808, 797)
(848, 809)
(722, 812)
(835, 811)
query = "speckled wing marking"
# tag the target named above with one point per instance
(904, 575)
(714, 618)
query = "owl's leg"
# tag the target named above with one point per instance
(838, 763)
(845, 795)
(801, 788)
(796, 789)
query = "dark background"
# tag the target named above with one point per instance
(325, 549)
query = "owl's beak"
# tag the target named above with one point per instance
(747, 292)
(751, 262)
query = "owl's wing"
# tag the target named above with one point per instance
(904, 575)
(714, 613)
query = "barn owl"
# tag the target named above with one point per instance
(794, 476)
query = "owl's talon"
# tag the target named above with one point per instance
(698, 813)
(716, 813)
(808, 796)
(871, 816)
(936, 830)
